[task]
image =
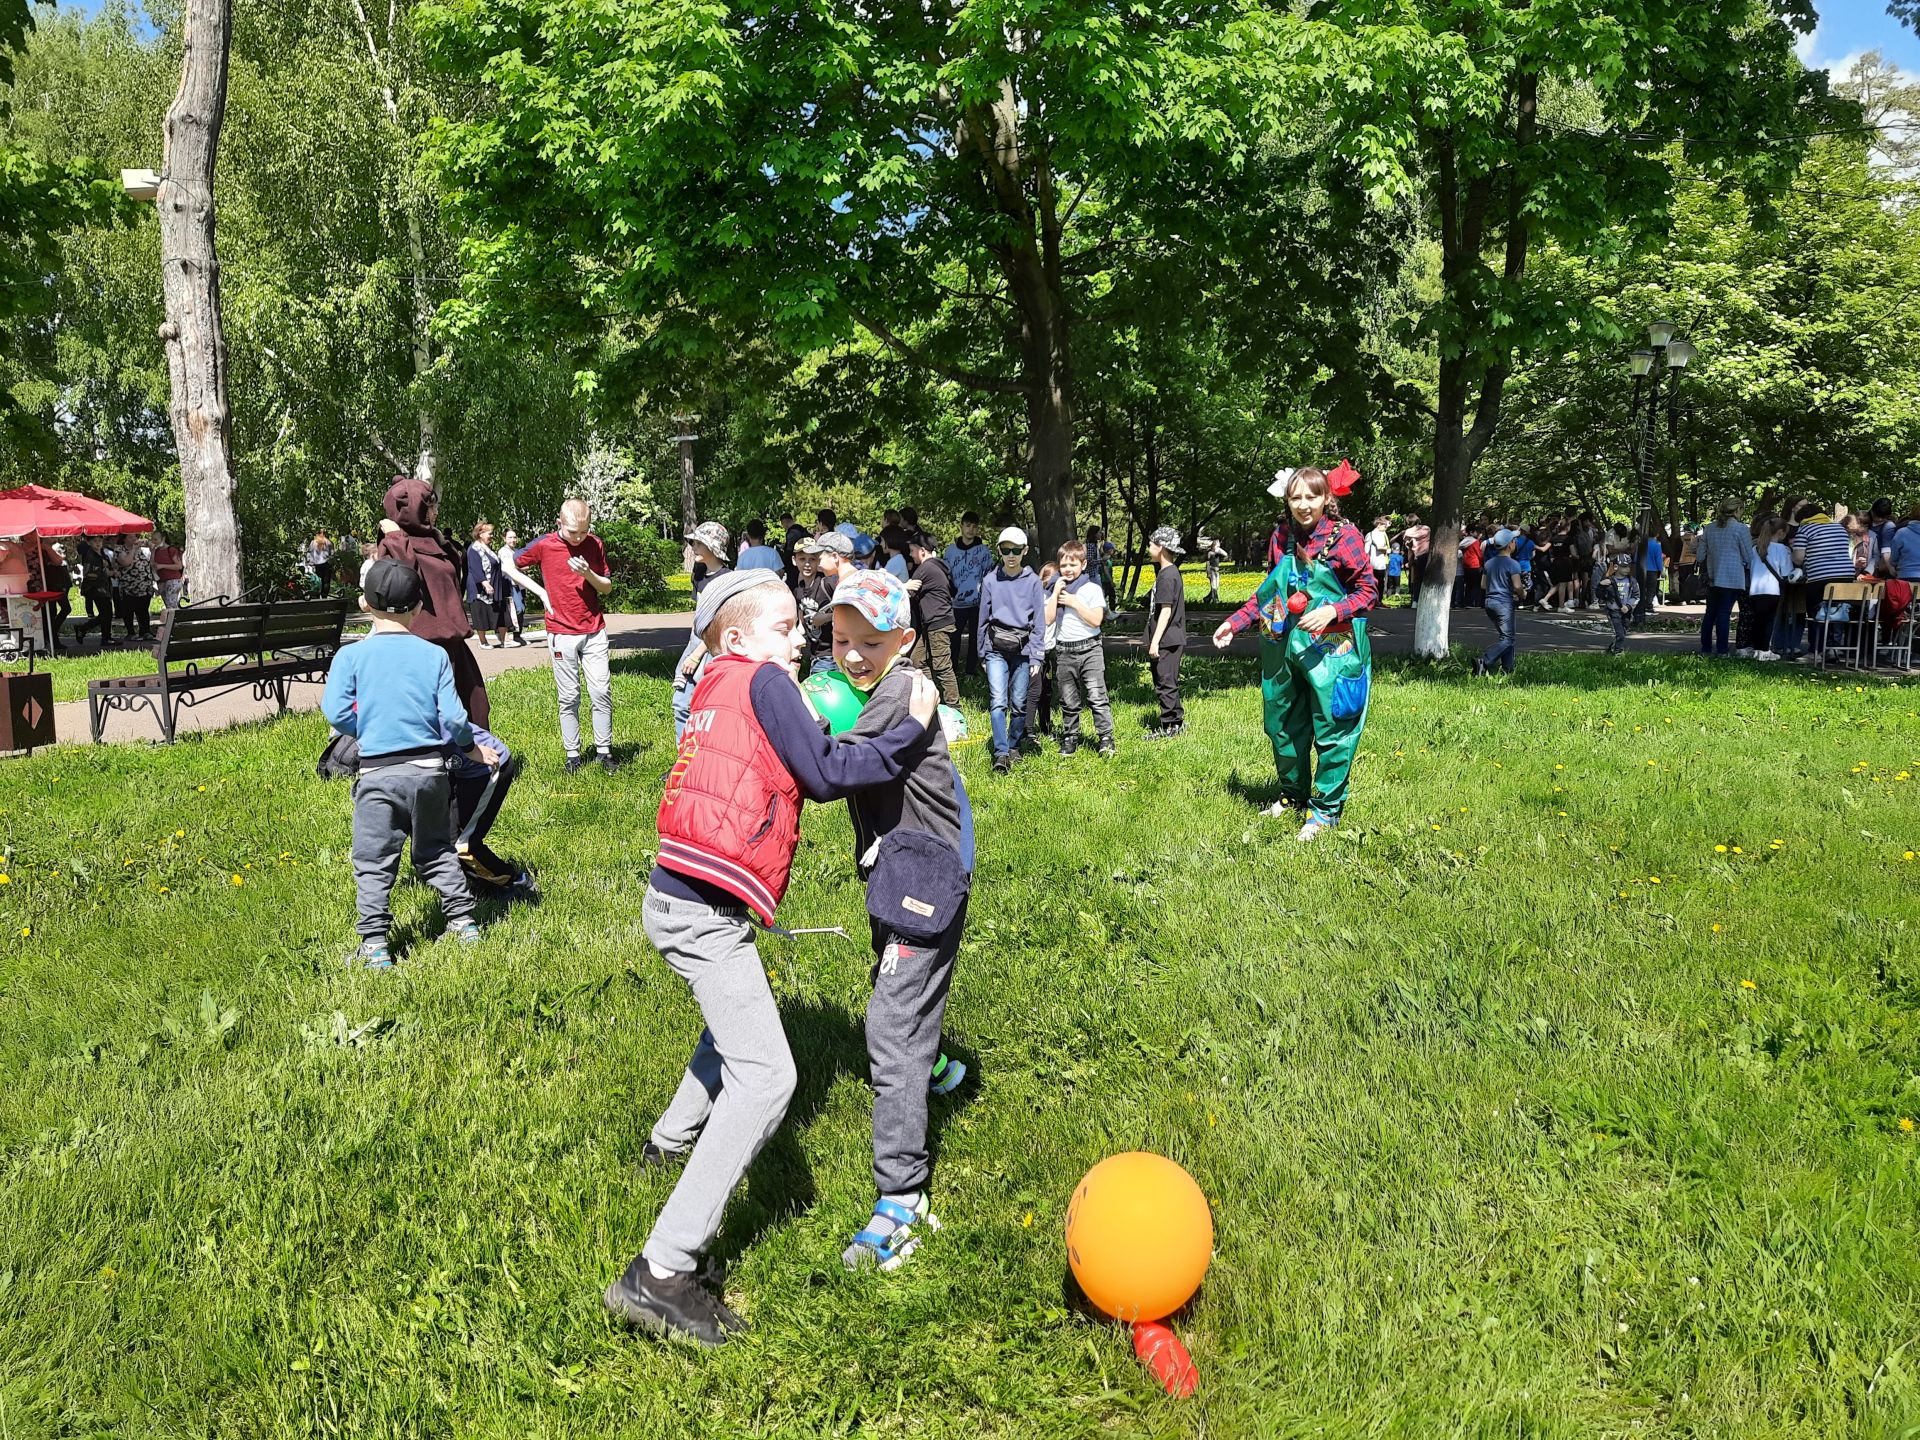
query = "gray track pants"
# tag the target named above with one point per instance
(739, 1081)
(573, 655)
(910, 982)
(1082, 670)
(389, 805)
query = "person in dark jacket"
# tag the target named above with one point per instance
(933, 620)
(410, 534)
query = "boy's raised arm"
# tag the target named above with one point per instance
(827, 769)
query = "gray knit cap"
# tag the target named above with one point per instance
(723, 588)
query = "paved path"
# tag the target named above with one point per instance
(1392, 635)
(626, 634)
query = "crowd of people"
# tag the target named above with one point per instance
(1774, 572)
(118, 577)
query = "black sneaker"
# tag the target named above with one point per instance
(678, 1307)
(652, 1157)
(1068, 746)
(607, 762)
(1003, 764)
(575, 763)
(1106, 748)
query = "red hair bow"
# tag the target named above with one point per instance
(1340, 479)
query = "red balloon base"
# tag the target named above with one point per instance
(1162, 1353)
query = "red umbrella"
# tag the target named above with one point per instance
(55, 513)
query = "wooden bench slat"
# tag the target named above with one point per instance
(242, 636)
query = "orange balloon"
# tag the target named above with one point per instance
(1139, 1236)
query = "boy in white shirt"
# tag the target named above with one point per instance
(1076, 607)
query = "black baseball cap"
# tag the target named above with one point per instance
(392, 586)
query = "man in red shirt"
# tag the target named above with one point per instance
(573, 565)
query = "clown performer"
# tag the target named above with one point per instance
(1315, 663)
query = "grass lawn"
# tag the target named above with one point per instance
(1566, 1091)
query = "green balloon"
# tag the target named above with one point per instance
(834, 697)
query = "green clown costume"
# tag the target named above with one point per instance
(1314, 689)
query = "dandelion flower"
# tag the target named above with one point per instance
(200, 789)
(1906, 1124)
(6, 879)
(1738, 851)
(1653, 879)
(1719, 849)
(238, 881)
(1748, 985)
(1716, 928)
(1623, 895)
(26, 929)
(1026, 1221)
(179, 834)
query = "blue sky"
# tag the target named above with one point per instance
(1847, 28)
(1850, 27)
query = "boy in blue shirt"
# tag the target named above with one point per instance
(394, 693)
(1506, 580)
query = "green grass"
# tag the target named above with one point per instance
(1503, 1135)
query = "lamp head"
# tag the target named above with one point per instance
(1642, 362)
(1660, 332)
(1679, 352)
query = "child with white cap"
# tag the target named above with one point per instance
(1012, 636)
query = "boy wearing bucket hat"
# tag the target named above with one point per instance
(729, 822)
(707, 544)
(913, 837)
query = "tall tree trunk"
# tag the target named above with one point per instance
(1464, 209)
(190, 281)
(1452, 465)
(1031, 262)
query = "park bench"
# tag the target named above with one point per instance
(266, 645)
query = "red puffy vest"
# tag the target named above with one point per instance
(731, 812)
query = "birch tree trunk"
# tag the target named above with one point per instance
(190, 280)
(425, 460)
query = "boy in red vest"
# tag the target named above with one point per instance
(728, 824)
(913, 837)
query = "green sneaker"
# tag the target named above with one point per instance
(947, 1075)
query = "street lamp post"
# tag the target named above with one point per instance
(1655, 370)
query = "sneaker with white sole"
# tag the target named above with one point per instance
(1313, 830)
(891, 1249)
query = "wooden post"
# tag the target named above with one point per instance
(190, 277)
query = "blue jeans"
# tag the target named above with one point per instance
(1500, 654)
(1007, 695)
(1718, 617)
(1789, 625)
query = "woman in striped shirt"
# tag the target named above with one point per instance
(1824, 552)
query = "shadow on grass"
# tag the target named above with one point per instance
(827, 1042)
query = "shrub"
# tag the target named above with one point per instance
(639, 561)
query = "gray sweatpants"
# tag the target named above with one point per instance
(574, 655)
(1082, 671)
(910, 981)
(389, 805)
(739, 1081)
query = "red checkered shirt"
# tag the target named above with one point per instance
(1345, 552)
